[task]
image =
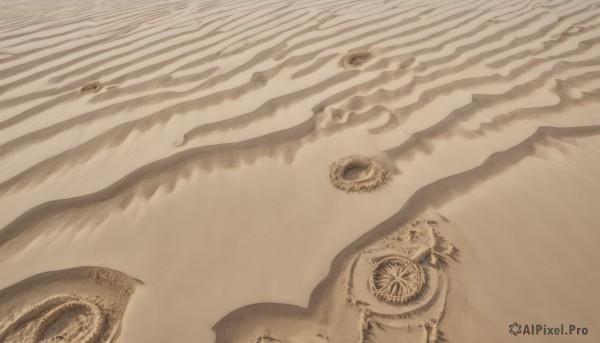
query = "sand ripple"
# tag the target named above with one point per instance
(102, 107)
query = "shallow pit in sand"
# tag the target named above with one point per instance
(92, 87)
(355, 59)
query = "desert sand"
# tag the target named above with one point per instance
(298, 171)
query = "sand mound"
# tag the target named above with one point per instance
(89, 312)
(357, 174)
(355, 59)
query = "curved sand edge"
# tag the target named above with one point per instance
(51, 305)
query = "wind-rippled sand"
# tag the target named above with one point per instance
(187, 145)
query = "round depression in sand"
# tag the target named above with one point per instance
(357, 174)
(396, 280)
(355, 59)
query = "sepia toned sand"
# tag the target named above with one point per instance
(91, 311)
(187, 151)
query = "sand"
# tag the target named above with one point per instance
(191, 151)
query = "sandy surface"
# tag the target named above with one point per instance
(189, 146)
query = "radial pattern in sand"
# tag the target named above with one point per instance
(396, 280)
(355, 59)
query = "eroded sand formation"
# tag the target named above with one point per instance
(357, 174)
(394, 290)
(417, 248)
(215, 97)
(396, 279)
(90, 313)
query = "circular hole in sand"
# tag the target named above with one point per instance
(396, 280)
(357, 174)
(355, 59)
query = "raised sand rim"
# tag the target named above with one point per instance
(80, 305)
(51, 310)
(406, 268)
(396, 280)
(357, 174)
(355, 59)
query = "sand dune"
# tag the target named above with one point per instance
(188, 144)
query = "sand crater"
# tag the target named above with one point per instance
(355, 59)
(357, 174)
(88, 309)
(92, 87)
